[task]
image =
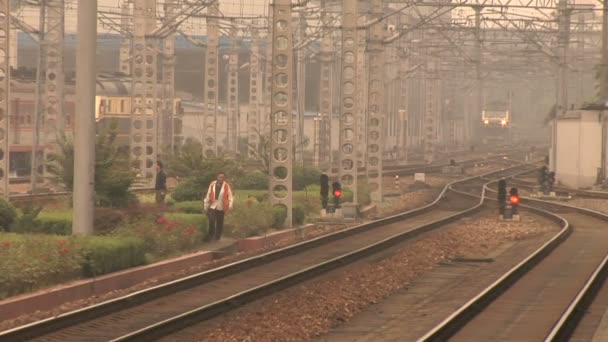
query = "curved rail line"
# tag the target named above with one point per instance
(563, 327)
(44, 327)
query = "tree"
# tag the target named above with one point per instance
(113, 175)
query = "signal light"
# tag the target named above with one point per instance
(514, 200)
(337, 191)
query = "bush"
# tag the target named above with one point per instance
(30, 262)
(103, 255)
(279, 215)
(107, 220)
(8, 215)
(299, 215)
(54, 222)
(191, 189)
(304, 176)
(189, 207)
(248, 220)
(252, 181)
(168, 235)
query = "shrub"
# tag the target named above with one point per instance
(168, 235)
(8, 215)
(279, 215)
(299, 215)
(113, 174)
(54, 222)
(106, 220)
(30, 262)
(304, 176)
(103, 255)
(248, 220)
(189, 207)
(252, 181)
(190, 190)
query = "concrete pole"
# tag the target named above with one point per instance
(375, 132)
(562, 88)
(38, 109)
(281, 119)
(604, 63)
(301, 95)
(478, 105)
(84, 139)
(6, 49)
(349, 110)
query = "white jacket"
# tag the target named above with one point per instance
(218, 204)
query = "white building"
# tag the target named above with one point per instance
(579, 148)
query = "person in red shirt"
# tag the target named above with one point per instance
(217, 201)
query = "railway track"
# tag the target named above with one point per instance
(389, 171)
(155, 312)
(545, 296)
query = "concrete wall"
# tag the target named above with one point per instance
(579, 140)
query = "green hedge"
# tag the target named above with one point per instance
(8, 215)
(53, 222)
(108, 254)
(189, 207)
(192, 220)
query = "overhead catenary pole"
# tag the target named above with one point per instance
(281, 119)
(326, 93)
(375, 132)
(211, 96)
(144, 104)
(473, 118)
(84, 137)
(255, 94)
(233, 91)
(6, 53)
(349, 104)
(38, 107)
(562, 73)
(301, 82)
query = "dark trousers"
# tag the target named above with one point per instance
(216, 224)
(160, 196)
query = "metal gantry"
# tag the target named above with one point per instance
(348, 101)
(4, 95)
(166, 122)
(431, 111)
(281, 121)
(55, 120)
(301, 90)
(124, 63)
(210, 117)
(376, 112)
(255, 94)
(233, 92)
(144, 91)
(326, 92)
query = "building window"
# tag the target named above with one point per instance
(122, 106)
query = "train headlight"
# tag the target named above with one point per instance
(503, 122)
(486, 121)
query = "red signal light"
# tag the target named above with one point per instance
(338, 193)
(514, 200)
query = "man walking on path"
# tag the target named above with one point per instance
(161, 183)
(217, 201)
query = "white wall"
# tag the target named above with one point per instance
(579, 149)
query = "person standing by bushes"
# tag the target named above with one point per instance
(161, 183)
(217, 201)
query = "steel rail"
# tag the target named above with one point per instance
(184, 320)
(568, 320)
(62, 321)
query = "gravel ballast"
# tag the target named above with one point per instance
(311, 309)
